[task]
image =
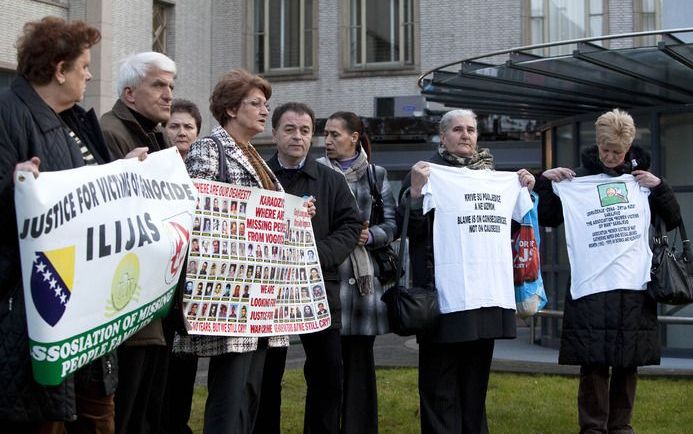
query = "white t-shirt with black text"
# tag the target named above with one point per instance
(606, 221)
(471, 235)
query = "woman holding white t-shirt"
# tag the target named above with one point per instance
(615, 328)
(455, 356)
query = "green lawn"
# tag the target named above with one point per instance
(516, 404)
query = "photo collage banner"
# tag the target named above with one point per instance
(253, 267)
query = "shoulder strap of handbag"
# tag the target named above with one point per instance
(222, 159)
(684, 236)
(373, 182)
(403, 237)
(661, 235)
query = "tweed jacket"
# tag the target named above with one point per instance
(202, 162)
(366, 315)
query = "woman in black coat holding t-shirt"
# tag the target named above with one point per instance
(616, 328)
(455, 355)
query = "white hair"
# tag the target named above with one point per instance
(453, 114)
(135, 67)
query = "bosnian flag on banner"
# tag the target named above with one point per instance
(52, 276)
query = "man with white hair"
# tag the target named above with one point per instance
(145, 93)
(133, 127)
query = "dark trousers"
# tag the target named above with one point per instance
(269, 414)
(606, 405)
(360, 399)
(323, 374)
(180, 385)
(141, 382)
(45, 427)
(453, 379)
(95, 412)
(234, 385)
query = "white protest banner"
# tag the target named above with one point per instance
(102, 249)
(253, 266)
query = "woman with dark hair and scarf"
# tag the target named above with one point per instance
(455, 355)
(615, 327)
(364, 316)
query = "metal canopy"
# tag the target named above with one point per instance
(592, 79)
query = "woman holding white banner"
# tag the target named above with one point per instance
(610, 321)
(44, 130)
(239, 104)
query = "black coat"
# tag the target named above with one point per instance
(619, 327)
(336, 224)
(464, 326)
(29, 128)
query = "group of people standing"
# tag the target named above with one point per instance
(146, 384)
(43, 129)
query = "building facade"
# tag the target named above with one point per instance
(358, 55)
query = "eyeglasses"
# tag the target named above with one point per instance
(257, 104)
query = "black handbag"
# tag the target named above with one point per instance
(410, 310)
(672, 272)
(384, 257)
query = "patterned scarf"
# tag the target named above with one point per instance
(359, 257)
(267, 178)
(356, 170)
(481, 159)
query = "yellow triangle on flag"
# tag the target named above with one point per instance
(63, 261)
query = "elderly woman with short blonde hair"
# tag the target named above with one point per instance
(615, 329)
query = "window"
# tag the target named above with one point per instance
(559, 20)
(284, 36)
(647, 17)
(381, 34)
(160, 18)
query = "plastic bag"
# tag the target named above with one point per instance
(530, 296)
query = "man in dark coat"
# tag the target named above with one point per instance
(336, 227)
(145, 87)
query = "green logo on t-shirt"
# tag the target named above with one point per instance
(612, 193)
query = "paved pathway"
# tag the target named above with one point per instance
(516, 355)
